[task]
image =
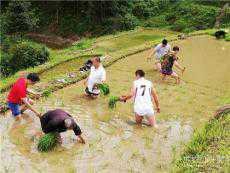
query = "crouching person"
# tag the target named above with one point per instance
(97, 76)
(59, 121)
(17, 98)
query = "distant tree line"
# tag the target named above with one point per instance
(101, 17)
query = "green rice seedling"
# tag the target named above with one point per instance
(104, 88)
(47, 142)
(46, 93)
(112, 101)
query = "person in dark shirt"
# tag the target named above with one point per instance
(59, 121)
(168, 61)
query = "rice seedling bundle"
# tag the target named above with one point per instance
(112, 101)
(104, 88)
(47, 142)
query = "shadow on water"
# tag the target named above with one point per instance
(113, 143)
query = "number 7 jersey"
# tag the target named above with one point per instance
(142, 97)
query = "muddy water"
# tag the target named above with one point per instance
(113, 143)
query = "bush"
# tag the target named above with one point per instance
(22, 55)
(129, 21)
(20, 17)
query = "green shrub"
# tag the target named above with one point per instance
(5, 61)
(129, 21)
(227, 37)
(22, 55)
(20, 17)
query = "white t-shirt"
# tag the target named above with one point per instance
(142, 99)
(96, 76)
(161, 51)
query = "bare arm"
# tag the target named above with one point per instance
(85, 81)
(81, 139)
(179, 66)
(131, 95)
(155, 98)
(28, 105)
(151, 52)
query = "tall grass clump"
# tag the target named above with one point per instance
(208, 151)
(48, 142)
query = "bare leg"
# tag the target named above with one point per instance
(163, 77)
(152, 121)
(175, 76)
(138, 119)
(18, 117)
(158, 65)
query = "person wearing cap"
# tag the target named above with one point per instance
(160, 50)
(59, 121)
(97, 76)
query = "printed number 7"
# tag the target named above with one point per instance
(144, 87)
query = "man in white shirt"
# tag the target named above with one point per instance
(97, 76)
(143, 94)
(160, 50)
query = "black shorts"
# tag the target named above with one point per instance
(90, 93)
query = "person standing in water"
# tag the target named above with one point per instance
(143, 93)
(18, 96)
(59, 121)
(160, 50)
(97, 76)
(169, 60)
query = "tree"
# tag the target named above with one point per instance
(20, 17)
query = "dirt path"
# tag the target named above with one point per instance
(112, 143)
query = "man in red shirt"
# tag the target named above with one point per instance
(17, 95)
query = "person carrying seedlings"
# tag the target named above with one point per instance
(57, 121)
(97, 76)
(169, 60)
(143, 93)
(160, 50)
(18, 96)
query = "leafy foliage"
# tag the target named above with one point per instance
(22, 55)
(19, 17)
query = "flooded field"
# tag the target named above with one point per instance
(113, 143)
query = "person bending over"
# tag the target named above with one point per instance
(168, 62)
(59, 121)
(143, 93)
(160, 50)
(18, 96)
(97, 76)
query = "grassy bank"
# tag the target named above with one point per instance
(208, 151)
(115, 45)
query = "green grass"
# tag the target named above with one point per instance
(115, 45)
(227, 37)
(208, 151)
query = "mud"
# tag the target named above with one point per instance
(113, 144)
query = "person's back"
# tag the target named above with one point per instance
(18, 91)
(59, 121)
(167, 63)
(142, 99)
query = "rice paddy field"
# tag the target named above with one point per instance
(113, 142)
